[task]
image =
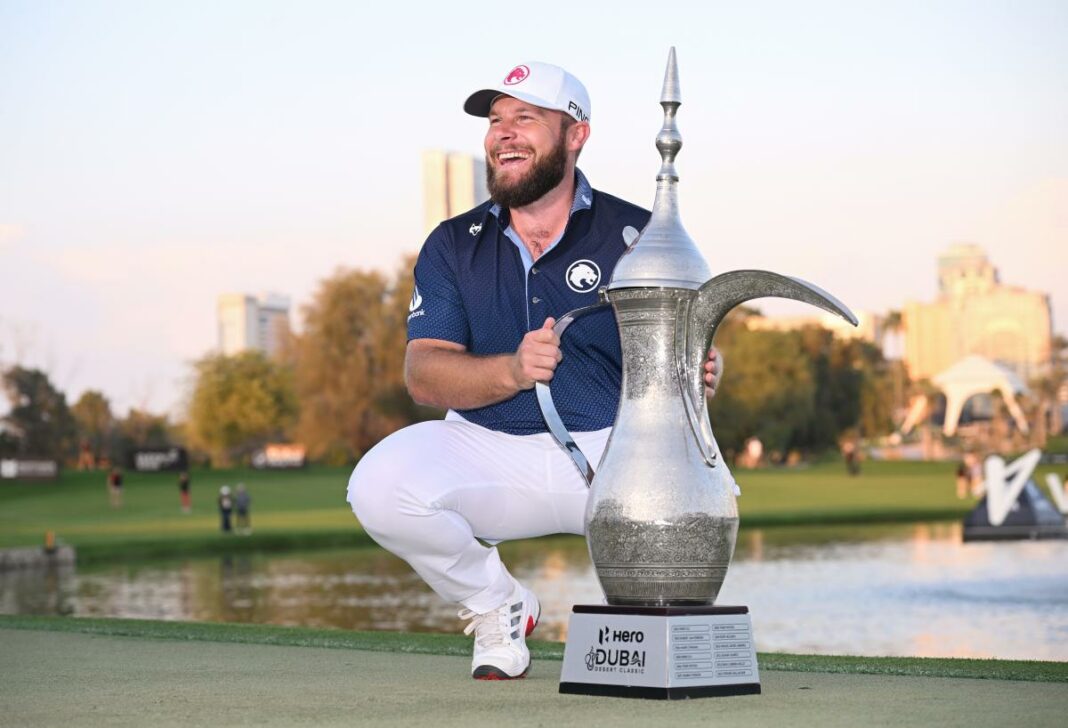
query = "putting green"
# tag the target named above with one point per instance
(56, 677)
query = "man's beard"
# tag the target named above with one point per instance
(544, 176)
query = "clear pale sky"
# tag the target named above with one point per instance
(155, 154)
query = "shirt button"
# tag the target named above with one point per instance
(534, 271)
(535, 300)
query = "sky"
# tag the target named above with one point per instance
(156, 154)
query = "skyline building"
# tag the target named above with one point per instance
(453, 182)
(977, 314)
(252, 322)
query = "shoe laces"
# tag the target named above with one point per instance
(491, 628)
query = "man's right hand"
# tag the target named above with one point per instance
(537, 356)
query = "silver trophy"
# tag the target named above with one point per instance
(662, 519)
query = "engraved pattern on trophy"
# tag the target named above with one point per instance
(661, 518)
(651, 538)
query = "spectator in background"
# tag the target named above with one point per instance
(962, 479)
(753, 453)
(243, 503)
(975, 474)
(226, 508)
(852, 458)
(183, 490)
(86, 461)
(115, 487)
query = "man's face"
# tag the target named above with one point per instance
(526, 151)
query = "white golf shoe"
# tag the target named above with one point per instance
(500, 636)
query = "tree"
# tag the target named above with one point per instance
(141, 428)
(239, 403)
(95, 423)
(879, 389)
(1047, 389)
(349, 364)
(854, 388)
(40, 420)
(767, 392)
(799, 389)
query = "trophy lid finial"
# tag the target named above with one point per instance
(664, 256)
(669, 140)
(670, 94)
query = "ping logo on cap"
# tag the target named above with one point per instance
(516, 75)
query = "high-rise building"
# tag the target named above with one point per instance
(453, 183)
(252, 322)
(976, 314)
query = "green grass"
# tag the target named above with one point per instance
(289, 510)
(306, 509)
(439, 644)
(1057, 443)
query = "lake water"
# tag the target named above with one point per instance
(904, 590)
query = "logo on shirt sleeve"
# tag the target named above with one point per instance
(416, 303)
(583, 276)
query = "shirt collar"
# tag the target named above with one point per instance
(583, 199)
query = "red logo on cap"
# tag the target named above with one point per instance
(517, 74)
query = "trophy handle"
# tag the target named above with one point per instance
(548, 409)
(695, 332)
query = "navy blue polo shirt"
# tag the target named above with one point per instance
(473, 288)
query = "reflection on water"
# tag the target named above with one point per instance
(926, 595)
(897, 590)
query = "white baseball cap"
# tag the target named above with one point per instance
(541, 84)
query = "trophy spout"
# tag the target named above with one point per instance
(697, 330)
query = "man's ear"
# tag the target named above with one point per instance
(577, 134)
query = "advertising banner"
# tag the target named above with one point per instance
(280, 456)
(159, 459)
(29, 469)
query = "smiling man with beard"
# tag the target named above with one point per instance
(488, 286)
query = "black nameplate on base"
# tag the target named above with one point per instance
(632, 691)
(665, 611)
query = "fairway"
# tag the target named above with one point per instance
(298, 509)
(307, 508)
(100, 679)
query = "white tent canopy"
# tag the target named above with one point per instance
(976, 375)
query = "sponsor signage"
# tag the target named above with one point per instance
(159, 459)
(617, 650)
(280, 456)
(29, 469)
(673, 652)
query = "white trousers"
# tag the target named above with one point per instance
(427, 492)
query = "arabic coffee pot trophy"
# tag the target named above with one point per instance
(662, 519)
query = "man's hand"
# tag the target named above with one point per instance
(713, 371)
(537, 356)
